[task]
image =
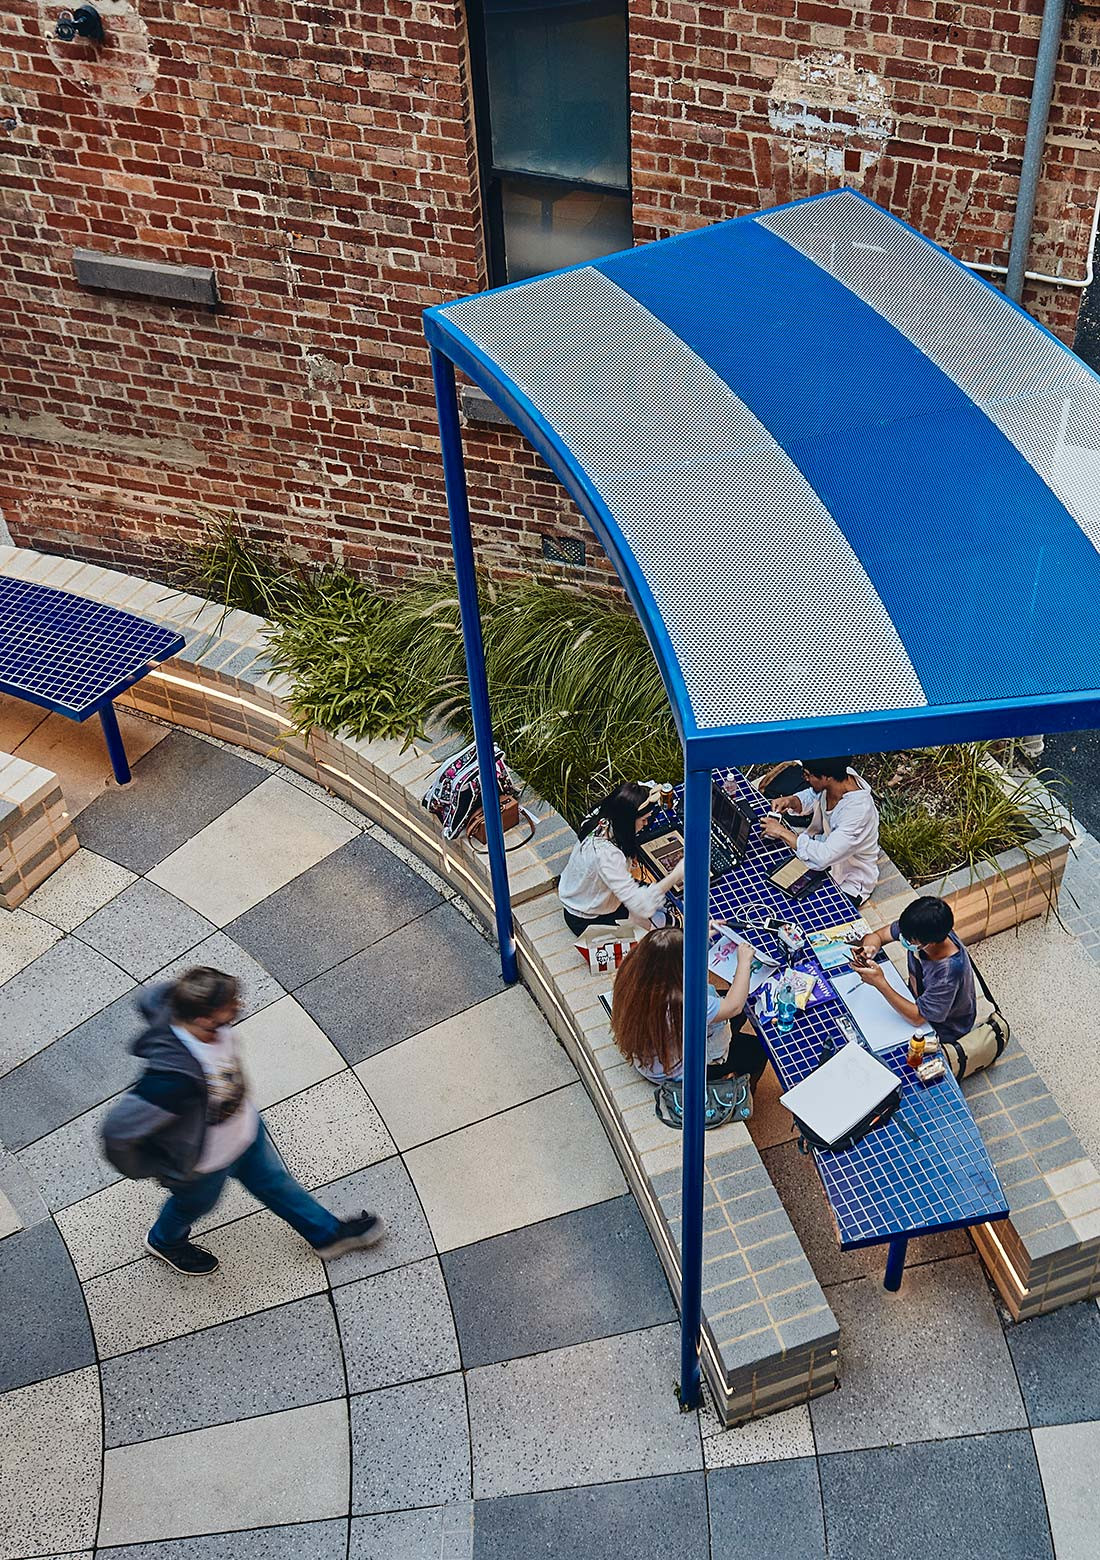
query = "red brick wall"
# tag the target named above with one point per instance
(323, 162)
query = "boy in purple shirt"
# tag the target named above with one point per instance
(941, 976)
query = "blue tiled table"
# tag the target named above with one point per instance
(896, 1183)
(74, 656)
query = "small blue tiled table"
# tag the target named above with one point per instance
(927, 1169)
(74, 656)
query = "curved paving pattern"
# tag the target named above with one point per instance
(493, 1381)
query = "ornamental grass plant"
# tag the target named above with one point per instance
(578, 702)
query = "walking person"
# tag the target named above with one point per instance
(189, 1123)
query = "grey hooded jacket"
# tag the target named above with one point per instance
(156, 1130)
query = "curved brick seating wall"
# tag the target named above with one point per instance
(770, 1339)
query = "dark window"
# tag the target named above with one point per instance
(553, 123)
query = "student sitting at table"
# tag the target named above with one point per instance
(596, 888)
(941, 976)
(842, 837)
(647, 1013)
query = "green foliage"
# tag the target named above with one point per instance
(226, 568)
(945, 808)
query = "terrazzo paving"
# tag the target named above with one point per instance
(494, 1380)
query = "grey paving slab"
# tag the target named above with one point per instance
(49, 1466)
(902, 1383)
(263, 1263)
(954, 1499)
(353, 898)
(384, 1189)
(1069, 1456)
(768, 1439)
(78, 887)
(43, 1324)
(144, 928)
(410, 1446)
(771, 1511)
(82, 1069)
(397, 1326)
(288, 1467)
(325, 1540)
(398, 1535)
(258, 988)
(503, 1051)
(799, 1187)
(23, 938)
(284, 1051)
(53, 994)
(66, 1164)
(107, 1230)
(404, 983)
(329, 1130)
(584, 1275)
(647, 1519)
(252, 849)
(606, 1410)
(1057, 1360)
(177, 789)
(261, 1364)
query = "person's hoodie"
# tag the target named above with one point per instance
(156, 1130)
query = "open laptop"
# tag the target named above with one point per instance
(731, 826)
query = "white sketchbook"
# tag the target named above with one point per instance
(880, 1025)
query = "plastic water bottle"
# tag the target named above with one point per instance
(786, 1004)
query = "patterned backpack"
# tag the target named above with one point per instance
(454, 796)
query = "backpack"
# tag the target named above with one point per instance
(454, 796)
(728, 1099)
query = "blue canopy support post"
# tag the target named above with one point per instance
(696, 929)
(116, 748)
(458, 509)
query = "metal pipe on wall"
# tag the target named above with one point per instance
(1050, 39)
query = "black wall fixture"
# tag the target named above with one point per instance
(84, 22)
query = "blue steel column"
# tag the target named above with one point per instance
(458, 508)
(696, 929)
(115, 748)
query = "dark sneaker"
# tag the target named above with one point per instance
(185, 1257)
(353, 1235)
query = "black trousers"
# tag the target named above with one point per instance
(578, 925)
(746, 1054)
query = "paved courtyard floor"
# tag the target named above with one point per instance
(495, 1380)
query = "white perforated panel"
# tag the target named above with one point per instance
(1043, 400)
(769, 611)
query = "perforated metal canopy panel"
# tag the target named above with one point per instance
(69, 654)
(848, 485)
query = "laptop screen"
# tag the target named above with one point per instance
(735, 819)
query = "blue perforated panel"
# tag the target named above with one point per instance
(70, 654)
(890, 1184)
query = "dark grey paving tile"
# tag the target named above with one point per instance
(386, 1189)
(353, 898)
(645, 1519)
(299, 1541)
(1057, 1360)
(957, 1500)
(583, 1275)
(258, 1364)
(406, 982)
(44, 1327)
(82, 1069)
(177, 789)
(771, 1511)
(143, 928)
(410, 1446)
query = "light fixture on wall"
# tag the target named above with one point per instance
(84, 22)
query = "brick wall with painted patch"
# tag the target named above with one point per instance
(323, 162)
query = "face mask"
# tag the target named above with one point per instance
(910, 947)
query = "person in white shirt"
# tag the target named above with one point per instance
(842, 837)
(596, 888)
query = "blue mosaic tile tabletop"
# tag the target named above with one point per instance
(937, 1175)
(72, 655)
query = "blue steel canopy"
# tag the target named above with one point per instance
(852, 490)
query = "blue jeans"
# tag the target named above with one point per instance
(261, 1170)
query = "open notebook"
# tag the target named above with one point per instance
(876, 1020)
